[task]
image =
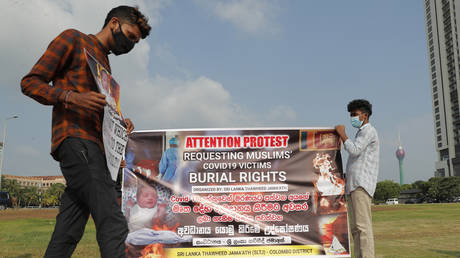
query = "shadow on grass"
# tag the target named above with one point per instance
(446, 252)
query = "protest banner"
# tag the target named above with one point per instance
(114, 134)
(235, 193)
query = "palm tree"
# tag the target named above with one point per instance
(31, 196)
(14, 188)
(52, 195)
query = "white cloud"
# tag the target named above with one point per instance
(28, 27)
(195, 101)
(155, 102)
(164, 102)
(152, 100)
(173, 103)
(251, 16)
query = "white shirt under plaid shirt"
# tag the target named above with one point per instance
(363, 160)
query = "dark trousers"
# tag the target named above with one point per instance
(90, 190)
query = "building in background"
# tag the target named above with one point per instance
(43, 182)
(442, 25)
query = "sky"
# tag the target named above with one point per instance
(237, 63)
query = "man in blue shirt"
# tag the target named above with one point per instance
(362, 170)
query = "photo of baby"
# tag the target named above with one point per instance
(147, 211)
(151, 222)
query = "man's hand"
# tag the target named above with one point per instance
(129, 125)
(88, 100)
(123, 164)
(340, 129)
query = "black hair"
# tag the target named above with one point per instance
(360, 104)
(130, 15)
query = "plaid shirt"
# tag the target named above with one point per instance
(363, 160)
(64, 64)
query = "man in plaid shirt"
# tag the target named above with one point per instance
(362, 171)
(77, 129)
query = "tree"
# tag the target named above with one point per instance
(434, 189)
(449, 188)
(31, 196)
(406, 187)
(48, 199)
(57, 189)
(421, 185)
(442, 189)
(386, 189)
(52, 195)
(14, 188)
(25, 196)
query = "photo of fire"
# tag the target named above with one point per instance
(333, 229)
(329, 186)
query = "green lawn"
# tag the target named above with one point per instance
(417, 230)
(424, 230)
(22, 235)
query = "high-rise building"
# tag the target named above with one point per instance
(442, 25)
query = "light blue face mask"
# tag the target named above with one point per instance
(355, 122)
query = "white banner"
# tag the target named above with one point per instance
(114, 133)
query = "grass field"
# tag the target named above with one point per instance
(417, 230)
(25, 233)
(424, 230)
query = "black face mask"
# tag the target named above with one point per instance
(122, 44)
